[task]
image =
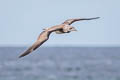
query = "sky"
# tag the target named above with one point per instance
(21, 21)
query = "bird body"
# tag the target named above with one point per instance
(65, 27)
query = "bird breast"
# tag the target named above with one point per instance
(59, 32)
(65, 29)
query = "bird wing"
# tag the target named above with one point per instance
(41, 39)
(70, 21)
(44, 36)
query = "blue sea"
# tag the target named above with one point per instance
(60, 63)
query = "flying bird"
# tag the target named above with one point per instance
(65, 27)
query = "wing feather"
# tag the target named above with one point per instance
(41, 39)
(70, 21)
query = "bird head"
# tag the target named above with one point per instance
(68, 29)
(72, 29)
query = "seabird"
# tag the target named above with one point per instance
(65, 27)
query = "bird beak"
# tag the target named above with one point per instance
(73, 29)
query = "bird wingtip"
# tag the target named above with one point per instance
(20, 56)
(97, 17)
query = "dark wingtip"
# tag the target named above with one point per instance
(20, 56)
(24, 54)
(95, 18)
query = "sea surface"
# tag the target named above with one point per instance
(60, 63)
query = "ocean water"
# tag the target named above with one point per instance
(60, 63)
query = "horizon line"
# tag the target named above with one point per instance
(67, 45)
